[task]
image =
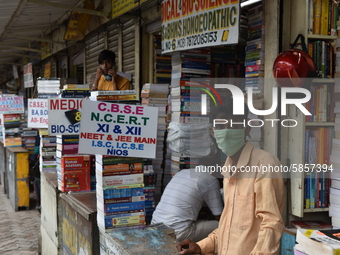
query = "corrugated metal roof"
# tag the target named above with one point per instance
(22, 19)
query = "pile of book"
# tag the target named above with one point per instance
(162, 63)
(48, 147)
(150, 182)
(74, 173)
(48, 88)
(254, 59)
(115, 95)
(190, 64)
(317, 241)
(81, 176)
(28, 138)
(11, 130)
(156, 95)
(120, 193)
(188, 137)
(75, 91)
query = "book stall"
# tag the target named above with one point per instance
(97, 170)
(15, 164)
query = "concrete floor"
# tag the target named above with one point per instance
(19, 231)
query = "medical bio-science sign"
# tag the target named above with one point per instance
(188, 24)
(64, 116)
(37, 113)
(11, 104)
(118, 129)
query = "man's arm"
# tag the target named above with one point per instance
(269, 203)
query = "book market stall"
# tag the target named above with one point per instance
(15, 171)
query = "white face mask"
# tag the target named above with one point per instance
(230, 140)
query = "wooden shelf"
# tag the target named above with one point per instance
(320, 124)
(323, 37)
(316, 210)
(323, 80)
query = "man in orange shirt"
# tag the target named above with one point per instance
(251, 221)
(106, 75)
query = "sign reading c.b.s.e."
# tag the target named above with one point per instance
(118, 129)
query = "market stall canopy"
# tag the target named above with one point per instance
(25, 25)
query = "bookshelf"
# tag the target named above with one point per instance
(298, 153)
(295, 145)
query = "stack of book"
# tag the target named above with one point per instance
(162, 63)
(47, 158)
(120, 193)
(75, 91)
(188, 137)
(190, 64)
(150, 182)
(48, 88)
(254, 59)
(11, 130)
(317, 241)
(28, 138)
(115, 95)
(74, 173)
(156, 95)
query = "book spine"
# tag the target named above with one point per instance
(116, 97)
(324, 17)
(123, 207)
(124, 200)
(307, 190)
(317, 17)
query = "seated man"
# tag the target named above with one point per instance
(182, 200)
(106, 75)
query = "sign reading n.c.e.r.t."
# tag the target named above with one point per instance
(118, 129)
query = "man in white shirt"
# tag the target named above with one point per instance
(182, 201)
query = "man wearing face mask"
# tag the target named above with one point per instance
(251, 221)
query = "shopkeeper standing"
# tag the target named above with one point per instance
(251, 222)
(106, 75)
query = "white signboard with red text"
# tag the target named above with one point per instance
(11, 104)
(37, 113)
(191, 24)
(118, 129)
(64, 116)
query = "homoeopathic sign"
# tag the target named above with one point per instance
(64, 116)
(118, 129)
(188, 24)
(37, 113)
(11, 104)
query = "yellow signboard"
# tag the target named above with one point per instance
(120, 7)
(78, 23)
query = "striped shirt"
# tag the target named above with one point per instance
(184, 196)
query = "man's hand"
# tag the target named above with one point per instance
(99, 73)
(112, 73)
(187, 246)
